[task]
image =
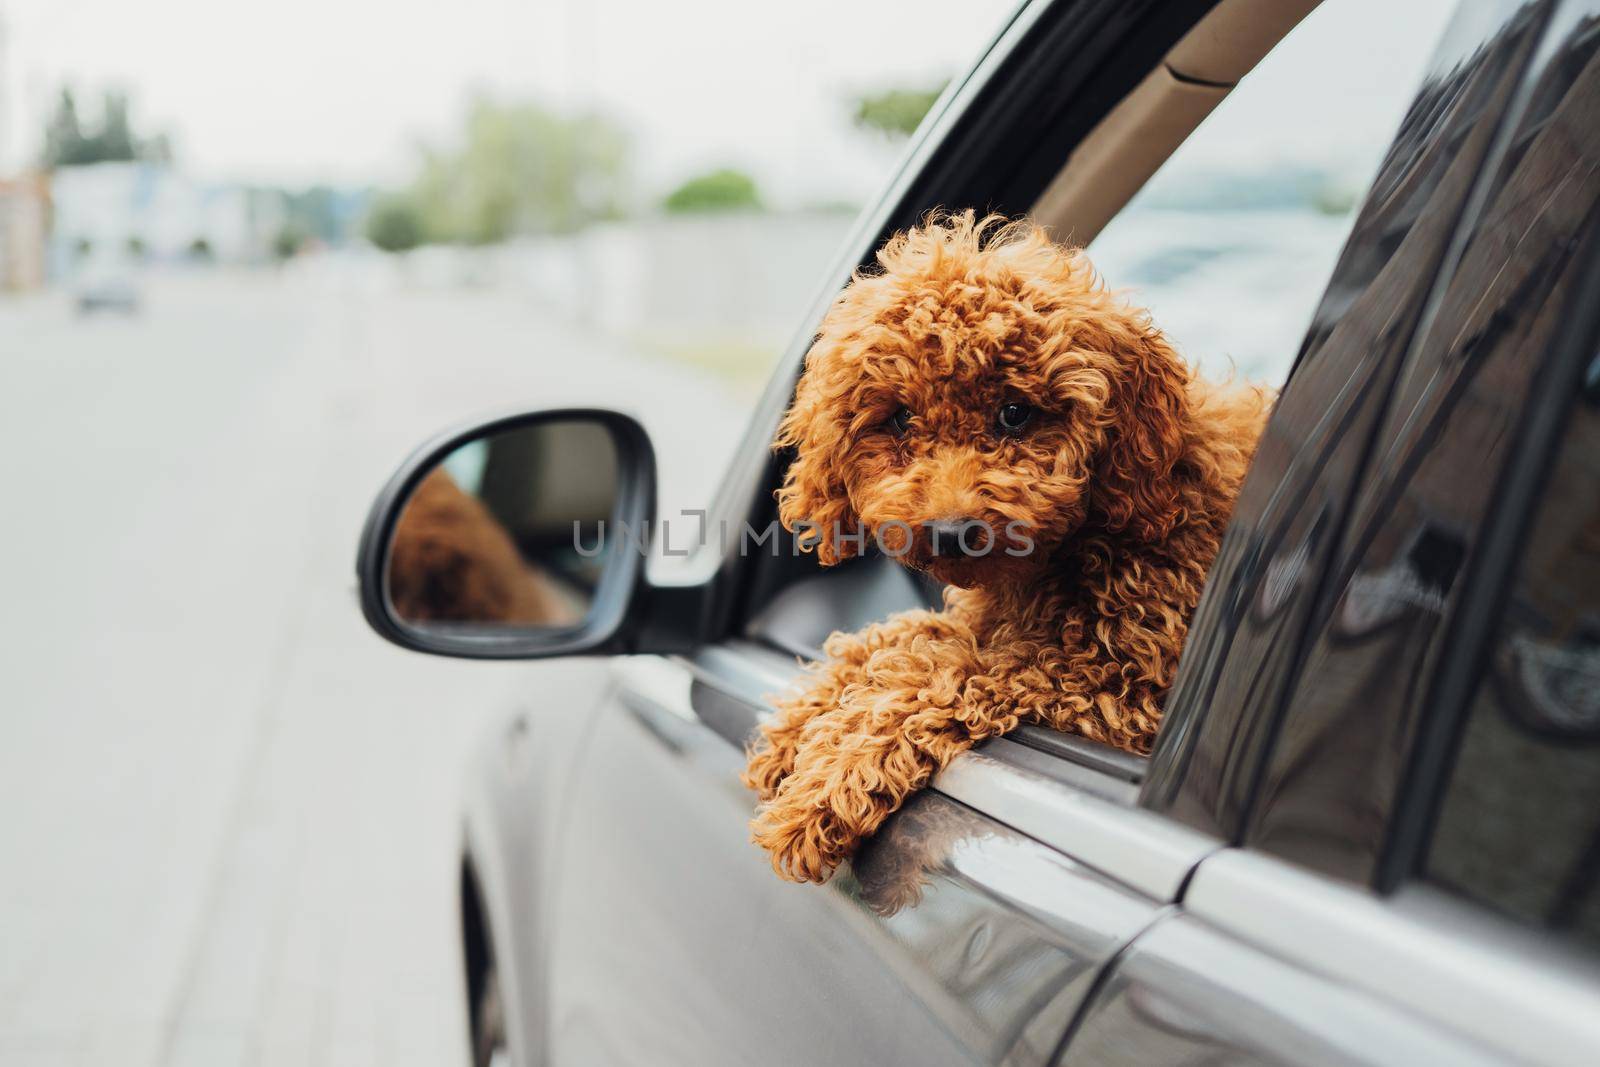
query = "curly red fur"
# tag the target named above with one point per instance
(1123, 481)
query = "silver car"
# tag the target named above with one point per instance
(1370, 831)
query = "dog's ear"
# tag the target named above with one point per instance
(1134, 489)
(1144, 397)
(813, 502)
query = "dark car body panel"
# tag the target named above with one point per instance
(1408, 549)
(1244, 645)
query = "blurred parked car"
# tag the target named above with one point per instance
(1370, 832)
(105, 281)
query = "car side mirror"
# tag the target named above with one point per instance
(519, 538)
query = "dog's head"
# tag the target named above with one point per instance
(977, 400)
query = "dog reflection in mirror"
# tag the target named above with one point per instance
(451, 560)
(984, 409)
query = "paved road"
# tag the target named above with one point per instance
(227, 812)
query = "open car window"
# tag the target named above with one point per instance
(1231, 243)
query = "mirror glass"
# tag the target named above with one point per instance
(506, 530)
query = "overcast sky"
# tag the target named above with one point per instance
(341, 90)
(296, 91)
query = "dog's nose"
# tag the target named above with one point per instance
(953, 537)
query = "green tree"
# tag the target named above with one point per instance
(63, 134)
(895, 113)
(287, 241)
(69, 142)
(116, 137)
(395, 224)
(720, 190)
(521, 169)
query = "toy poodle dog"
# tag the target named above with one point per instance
(984, 409)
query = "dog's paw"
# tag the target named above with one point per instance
(804, 843)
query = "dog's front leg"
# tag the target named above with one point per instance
(917, 708)
(772, 755)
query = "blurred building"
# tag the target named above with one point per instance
(150, 210)
(24, 224)
(675, 280)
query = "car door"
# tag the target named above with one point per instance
(1416, 880)
(956, 936)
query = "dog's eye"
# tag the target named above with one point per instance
(900, 421)
(1013, 417)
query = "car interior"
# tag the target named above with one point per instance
(800, 604)
(1131, 143)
